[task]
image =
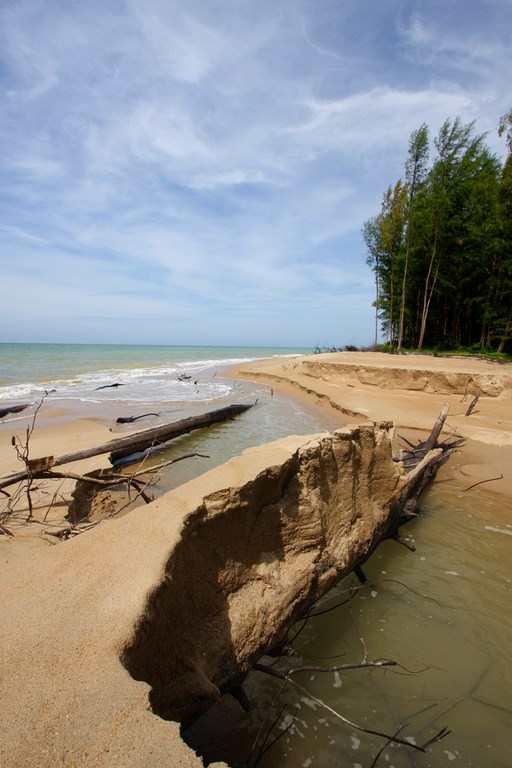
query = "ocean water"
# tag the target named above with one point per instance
(146, 373)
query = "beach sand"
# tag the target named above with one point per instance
(335, 384)
(339, 382)
(76, 578)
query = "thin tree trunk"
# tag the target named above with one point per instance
(427, 296)
(402, 302)
(376, 302)
(391, 326)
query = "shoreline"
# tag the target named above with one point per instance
(331, 394)
(488, 431)
(78, 426)
(335, 398)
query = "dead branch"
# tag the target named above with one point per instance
(111, 478)
(70, 531)
(157, 467)
(13, 409)
(52, 502)
(385, 745)
(275, 673)
(140, 488)
(23, 455)
(129, 444)
(88, 486)
(431, 441)
(109, 386)
(480, 482)
(472, 405)
(130, 419)
(267, 746)
(5, 530)
(352, 592)
(342, 667)
(411, 445)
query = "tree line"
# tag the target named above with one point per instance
(441, 245)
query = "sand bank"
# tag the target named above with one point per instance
(410, 390)
(185, 592)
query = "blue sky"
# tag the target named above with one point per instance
(199, 172)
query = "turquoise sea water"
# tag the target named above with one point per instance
(147, 373)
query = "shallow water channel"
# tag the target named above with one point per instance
(273, 417)
(443, 613)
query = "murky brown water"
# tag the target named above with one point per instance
(444, 614)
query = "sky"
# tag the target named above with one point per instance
(199, 172)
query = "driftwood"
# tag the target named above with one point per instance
(138, 456)
(106, 478)
(109, 386)
(139, 441)
(131, 419)
(153, 437)
(432, 439)
(481, 482)
(413, 455)
(13, 409)
(472, 405)
(421, 462)
(266, 669)
(88, 486)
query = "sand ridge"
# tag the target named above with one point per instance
(386, 391)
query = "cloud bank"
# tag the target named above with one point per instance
(199, 173)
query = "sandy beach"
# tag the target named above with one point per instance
(410, 390)
(343, 388)
(112, 590)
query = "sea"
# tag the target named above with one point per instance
(160, 383)
(146, 374)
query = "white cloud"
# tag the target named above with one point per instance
(177, 160)
(379, 117)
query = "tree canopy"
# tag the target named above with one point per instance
(441, 245)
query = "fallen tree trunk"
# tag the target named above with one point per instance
(13, 409)
(139, 441)
(421, 462)
(152, 437)
(432, 439)
(300, 512)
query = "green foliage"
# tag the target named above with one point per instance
(441, 245)
(505, 129)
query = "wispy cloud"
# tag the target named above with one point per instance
(199, 172)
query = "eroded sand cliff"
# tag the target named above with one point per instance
(175, 601)
(408, 389)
